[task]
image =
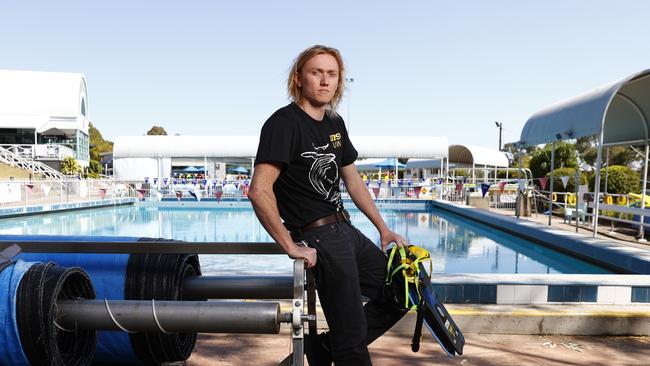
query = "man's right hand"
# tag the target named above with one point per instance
(306, 253)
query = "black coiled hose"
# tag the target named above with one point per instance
(43, 342)
(160, 277)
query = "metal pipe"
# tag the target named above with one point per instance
(550, 197)
(175, 246)
(238, 287)
(170, 316)
(643, 191)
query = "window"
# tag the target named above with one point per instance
(17, 136)
(83, 106)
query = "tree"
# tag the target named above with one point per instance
(620, 180)
(70, 166)
(565, 157)
(587, 148)
(97, 143)
(157, 130)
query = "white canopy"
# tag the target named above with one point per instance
(476, 155)
(246, 146)
(620, 109)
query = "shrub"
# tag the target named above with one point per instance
(70, 166)
(620, 180)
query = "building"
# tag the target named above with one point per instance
(44, 116)
(137, 157)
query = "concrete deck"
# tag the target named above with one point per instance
(480, 350)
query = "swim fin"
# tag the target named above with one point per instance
(435, 317)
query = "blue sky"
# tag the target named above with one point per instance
(420, 67)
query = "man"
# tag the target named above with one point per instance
(304, 151)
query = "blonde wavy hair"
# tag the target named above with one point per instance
(299, 62)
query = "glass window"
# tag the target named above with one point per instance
(83, 106)
(17, 136)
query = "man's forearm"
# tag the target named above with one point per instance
(361, 198)
(266, 209)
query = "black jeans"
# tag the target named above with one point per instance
(349, 265)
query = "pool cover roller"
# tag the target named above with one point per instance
(128, 277)
(29, 292)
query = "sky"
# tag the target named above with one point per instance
(419, 67)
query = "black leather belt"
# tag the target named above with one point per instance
(338, 216)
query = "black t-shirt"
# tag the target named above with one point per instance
(311, 153)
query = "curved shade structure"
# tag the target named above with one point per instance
(621, 109)
(476, 155)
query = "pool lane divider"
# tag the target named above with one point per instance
(30, 210)
(618, 257)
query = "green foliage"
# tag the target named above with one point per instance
(95, 167)
(565, 157)
(157, 130)
(587, 147)
(557, 181)
(620, 180)
(70, 166)
(98, 144)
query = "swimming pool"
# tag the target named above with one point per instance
(456, 244)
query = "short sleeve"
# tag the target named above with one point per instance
(276, 141)
(350, 154)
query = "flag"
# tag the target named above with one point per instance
(146, 180)
(30, 187)
(164, 181)
(417, 191)
(459, 187)
(155, 180)
(439, 180)
(485, 187)
(179, 195)
(46, 189)
(102, 192)
(502, 186)
(218, 194)
(141, 194)
(376, 192)
(542, 182)
(565, 180)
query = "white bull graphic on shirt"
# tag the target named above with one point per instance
(324, 170)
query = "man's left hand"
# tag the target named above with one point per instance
(391, 237)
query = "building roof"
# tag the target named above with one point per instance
(246, 146)
(477, 155)
(620, 109)
(52, 94)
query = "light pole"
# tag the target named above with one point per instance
(349, 81)
(500, 126)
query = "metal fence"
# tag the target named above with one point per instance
(15, 193)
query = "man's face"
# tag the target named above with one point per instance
(319, 79)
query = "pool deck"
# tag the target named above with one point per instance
(480, 350)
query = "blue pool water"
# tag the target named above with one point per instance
(456, 245)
